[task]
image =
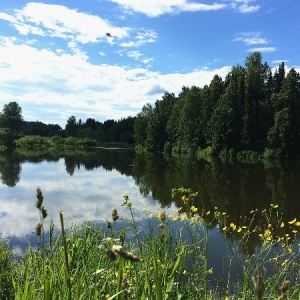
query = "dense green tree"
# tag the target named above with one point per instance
(71, 126)
(11, 117)
(255, 75)
(141, 125)
(6, 138)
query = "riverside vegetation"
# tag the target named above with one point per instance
(116, 261)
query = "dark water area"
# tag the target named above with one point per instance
(86, 185)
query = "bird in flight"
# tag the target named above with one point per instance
(108, 34)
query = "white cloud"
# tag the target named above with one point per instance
(55, 85)
(62, 22)
(262, 49)
(279, 61)
(251, 38)
(155, 8)
(141, 38)
(243, 6)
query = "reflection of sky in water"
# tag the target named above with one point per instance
(86, 195)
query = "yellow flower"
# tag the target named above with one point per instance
(216, 207)
(284, 262)
(282, 224)
(223, 213)
(185, 199)
(210, 271)
(184, 272)
(295, 231)
(268, 232)
(161, 216)
(252, 211)
(175, 218)
(297, 224)
(208, 213)
(143, 209)
(194, 209)
(292, 222)
(183, 217)
(239, 229)
(224, 228)
(274, 205)
(179, 209)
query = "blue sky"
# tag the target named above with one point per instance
(56, 59)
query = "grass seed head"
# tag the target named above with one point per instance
(38, 229)
(44, 212)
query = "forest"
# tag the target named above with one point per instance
(15, 131)
(254, 108)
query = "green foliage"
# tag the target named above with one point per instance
(11, 117)
(251, 110)
(7, 266)
(6, 138)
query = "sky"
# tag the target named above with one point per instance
(105, 59)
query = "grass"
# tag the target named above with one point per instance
(118, 262)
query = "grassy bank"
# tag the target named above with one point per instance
(116, 261)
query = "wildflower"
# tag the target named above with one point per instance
(179, 209)
(268, 232)
(216, 207)
(282, 225)
(269, 225)
(183, 217)
(284, 262)
(38, 229)
(185, 199)
(223, 213)
(239, 229)
(252, 211)
(295, 231)
(194, 209)
(208, 213)
(224, 228)
(184, 272)
(210, 271)
(162, 216)
(297, 224)
(143, 209)
(151, 215)
(292, 221)
(175, 218)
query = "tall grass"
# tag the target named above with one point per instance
(90, 261)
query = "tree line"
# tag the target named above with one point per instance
(253, 109)
(15, 130)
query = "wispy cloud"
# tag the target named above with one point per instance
(262, 49)
(243, 6)
(155, 8)
(251, 38)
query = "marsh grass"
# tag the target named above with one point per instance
(169, 261)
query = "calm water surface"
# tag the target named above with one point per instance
(87, 185)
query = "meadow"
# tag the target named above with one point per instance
(116, 261)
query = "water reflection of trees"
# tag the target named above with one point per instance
(235, 189)
(10, 162)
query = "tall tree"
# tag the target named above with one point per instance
(11, 117)
(255, 75)
(71, 126)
